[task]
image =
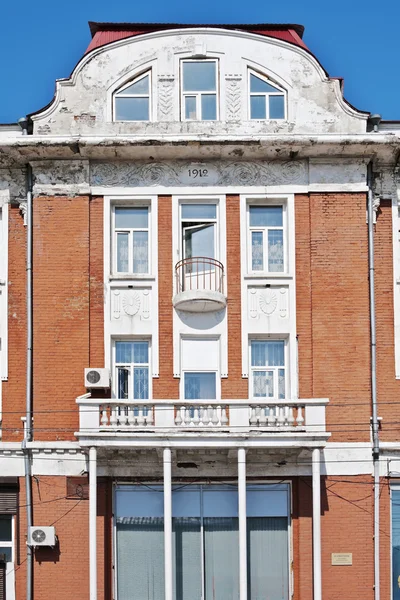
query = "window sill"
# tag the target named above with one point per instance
(266, 275)
(130, 277)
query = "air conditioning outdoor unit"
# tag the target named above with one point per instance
(41, 536)
(97, 378)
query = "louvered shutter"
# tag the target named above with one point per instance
(8, 499)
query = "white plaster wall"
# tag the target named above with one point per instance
(83, 102)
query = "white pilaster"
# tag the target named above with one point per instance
(167, 523)
(316, 489)
(92, 523)
(242, 524)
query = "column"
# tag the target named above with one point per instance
(316, 489)
(168, 576)
(92, 523)
(242, 524)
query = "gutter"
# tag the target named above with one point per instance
(28, 433)
(374, 418)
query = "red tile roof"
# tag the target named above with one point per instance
(106, 33)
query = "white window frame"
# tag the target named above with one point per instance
(128, 84)
(133, 204)
(266, 95)
(131, 366)
(212, 201)
(200, 370)
(275, 369)
(198, 95)
(264, 202)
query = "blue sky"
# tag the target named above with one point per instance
(355, 39)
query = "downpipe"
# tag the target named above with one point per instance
(29, 372)
(374, 419)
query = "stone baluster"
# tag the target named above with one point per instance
(196, 416)
(104, 415)
(253, 417)
(271, 416)
(290, 419)
(224, 416)
(281, 418)
(178, 418)
(262, 418)
(131, 416)
(300, 418)
(215, 419)
(113, 416)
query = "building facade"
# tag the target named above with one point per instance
(199, 327)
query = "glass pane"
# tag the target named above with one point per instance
(276, 107)
(187, 558)
(138, 87)
(141, 383)
(221, 550)
(281, 384)
(263, 384)
(257, 251)
(267, 353)
(7, 552)
(190, 107)
(200, 386)
(141, 352)
(258, 107)
(132, 218)
(199, 76)
(396, 543)
(5, 529)
(140, 252)
(124, 352)
(266, 216)
(275, 251)
(267, 558)
(261, 86)
(123, 383)
(122, 252)
(199, 211)
(208, 107)
(200, 242)
(140, 558)
(131, 109)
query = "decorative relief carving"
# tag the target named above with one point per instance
(129, 303)
(165, 97)
(233, 97)
(268, 302)
(177, 173)
(23, 208)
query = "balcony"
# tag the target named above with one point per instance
(199, 285)
(278, 419)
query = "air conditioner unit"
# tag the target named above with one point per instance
(97, 378)
(41, 536)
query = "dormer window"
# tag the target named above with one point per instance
(267, 101)
(199, 90)
(132, 101)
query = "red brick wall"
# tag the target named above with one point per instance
(166, 386)
(14, 388)
(333, 309)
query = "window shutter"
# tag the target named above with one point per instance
(2, 577)
(8, 496)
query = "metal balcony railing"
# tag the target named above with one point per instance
(199, 273)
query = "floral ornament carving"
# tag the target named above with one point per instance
(268, 302)
(131, 303)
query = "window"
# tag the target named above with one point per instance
(267, 369)
(131, 243)
(395, 495)
(266, 243)
(199, 90)
(267, 101)
(132, 366)
(132, 101)
(205, 537)
(199, 230)
(200, 369)
(6, 537)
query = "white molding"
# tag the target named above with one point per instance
(213, 324)
(4, 215)
(145, 322)
(285, 327)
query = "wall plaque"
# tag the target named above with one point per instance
(342, 558)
